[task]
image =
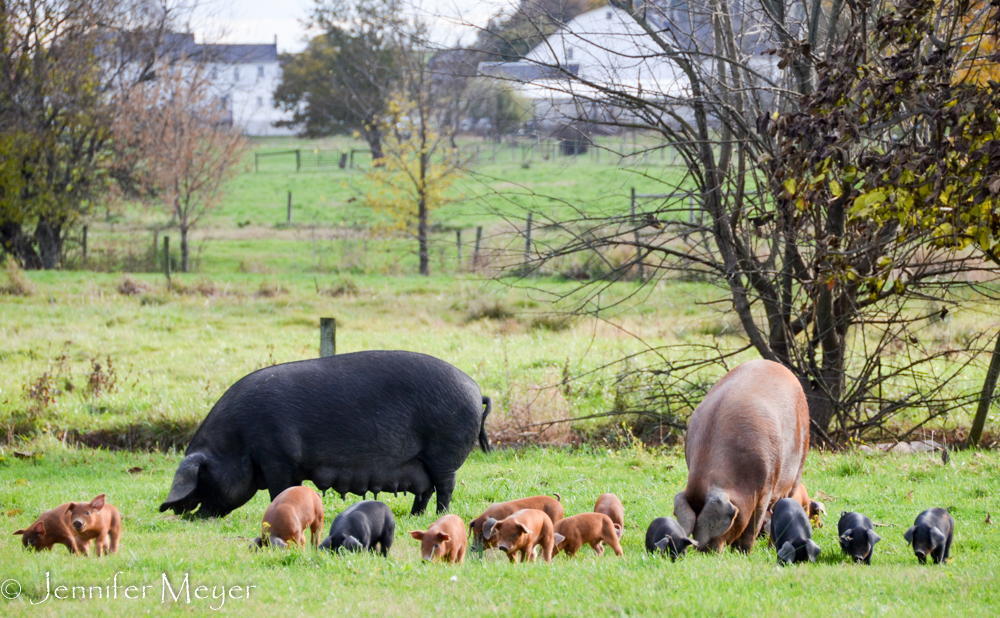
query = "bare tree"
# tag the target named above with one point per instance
(176, 137)
(716, 81)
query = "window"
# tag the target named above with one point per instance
(224, 102)
(215, 73)
(260, 71)
(236, 73)
(609, 14)
(260, 102)
(569, 53)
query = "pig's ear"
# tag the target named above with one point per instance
(417, 534)
(524, 529)
(488, 527)
(848, 536)
(684, 513)
(19, 531)
(38, 527)
(692, 542)
(908, 535)
(813, 550)
(817, 507)
(873, 538)
(938, 537)
(662, 543)
(185, 482)
(558, 538)
(715, 518)
(787, 552)
(444, 537)
(97, 503)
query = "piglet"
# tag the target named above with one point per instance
(550, 506)
(813, 508)
(444, 540)
(52, 527)
(96, 521)
(520, 532)
(666, 534)
(287, 518)
(857, 536)
(931, 534)
(587, 528)
(791, 532)
(610, 505)
(361, 526)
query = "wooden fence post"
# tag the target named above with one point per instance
(475, 249)
(458, 246)
(289, 207)
(638, 249)
(527, 240)
(298, 160)
(166, 258)
(83, 243)
(327, 336)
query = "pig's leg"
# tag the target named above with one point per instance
(420, 502)
(744, 543)
(444, 485)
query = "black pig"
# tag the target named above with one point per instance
(931, 534)
(666, 534)
(362, 526)
(367, 421)
(791, 532)
(857, 536)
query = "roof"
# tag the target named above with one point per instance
(241, 53)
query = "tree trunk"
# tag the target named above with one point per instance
(15, 242)
(48, 235)
(422, 236)
(374, 139)
(985, 398)
(185, 265)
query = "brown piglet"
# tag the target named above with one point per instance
(812, 508)
(550, 506)
(444, 540)
(520, 532)
(288, 516)
(52, 527)
(98, 522)
(610, 505)
(588, 529)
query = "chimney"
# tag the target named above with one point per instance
(276, 42)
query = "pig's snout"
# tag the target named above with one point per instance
(921, 556)
(503, 547)
(78, 524)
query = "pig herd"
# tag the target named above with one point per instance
(415, 424)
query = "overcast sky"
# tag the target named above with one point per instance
(259, 21)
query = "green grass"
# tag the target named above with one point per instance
(214, 552)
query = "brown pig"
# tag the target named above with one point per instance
(443, 540)
(812, 508)
(289, 515)
(97, 522)
(745, 449)
(550, 506)
(610, 505)
(590, 529)
(520, 532)
(52, 527)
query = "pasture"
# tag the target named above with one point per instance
(892, 489)
(92, 362)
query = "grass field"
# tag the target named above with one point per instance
(891, 489)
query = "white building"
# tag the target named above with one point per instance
(245, 77)
(565, 76)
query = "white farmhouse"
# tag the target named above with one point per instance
(568, 76)
(245, 77)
